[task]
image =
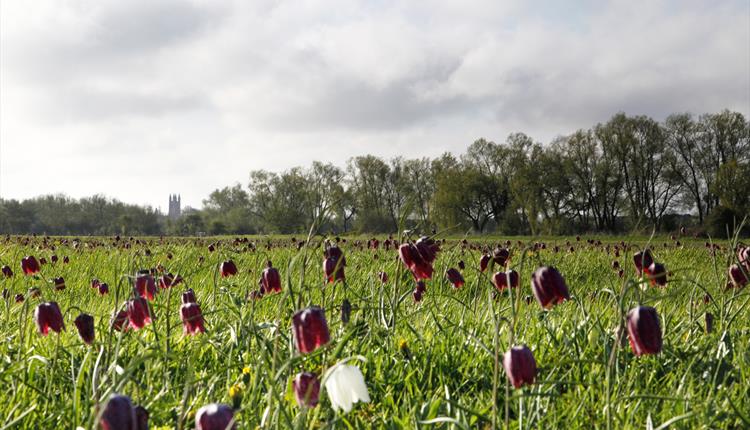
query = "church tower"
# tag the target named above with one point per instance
(174, 206)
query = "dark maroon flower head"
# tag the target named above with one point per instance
(165, 281)
(48, 316)
(616, 265)
(737, 275)
(333, 251)
(85, 325)
(141, 418)
(227, 269)
(29, 265)
(520, 366)
(103, 288)
(657, 274)
(188, 296)
(413, 259)
(192, 318)
(642, 260)
(19, 298)
(7, 272)
(215, 417)
(310, 329)
(421, 286)
(484, 262)
(119, 320)
(138, 313)
(503, 280)
(119, 414)
(95, 283)
(145, 285)
(383, 277)
(53, 258)
(333, 270)
(66, 260)
(644, 332)
(461, 264)
(743, 256)
(59, 283)
(306, 389)
(501, 256)
(454, 277)
(417, 295)
(549, 287)
(427, 249)
(270, 280)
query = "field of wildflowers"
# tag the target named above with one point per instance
(385, 332)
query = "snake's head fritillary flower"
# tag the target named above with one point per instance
(270, 280)
(48, 316)
(138, 313)
(484, 262)
(119, 414)
(520, 366)
(346, 386)
(454, 277)
(642, 261)
(644, 332)
(192, 318)
(145, 285)
(215, 416)
(30, 265)
(306, 389)
(549, 287)
(227, 269)
(85, 325)
(310, 329)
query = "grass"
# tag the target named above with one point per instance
(427, 365)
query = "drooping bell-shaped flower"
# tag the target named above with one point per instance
(215, 416)
(310, 329)
(454, 277)
(48, 316)
(520, 366)
(346, 386)
(227, 269)
(119, 414)
(145, 285)
(138, 313)
(192, 318)
(644, 331)
(657, 274)
(270, 280)
(30, 265)
(503, 280)
(85, 325)
(642, 261)
(549, 287)
(306, 389)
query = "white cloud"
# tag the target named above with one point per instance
(142, 98)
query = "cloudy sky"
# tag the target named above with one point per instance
(137, 99)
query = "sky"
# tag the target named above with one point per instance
(138, 99)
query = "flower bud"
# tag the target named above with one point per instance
(215, 417)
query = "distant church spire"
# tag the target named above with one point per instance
(174, 206)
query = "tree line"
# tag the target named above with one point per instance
(631, 173)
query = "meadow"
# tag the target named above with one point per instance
(436, 363)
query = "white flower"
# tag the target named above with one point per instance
(346, 386)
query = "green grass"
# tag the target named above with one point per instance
(427, 365)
